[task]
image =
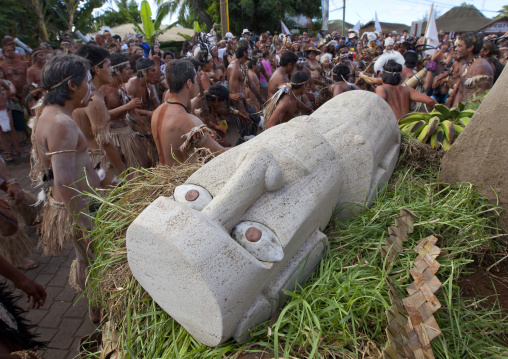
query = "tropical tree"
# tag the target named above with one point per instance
(150, 30)
(503, 11)
(256, 15)
(188, 11)
(127, 11)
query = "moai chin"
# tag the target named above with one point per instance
(218, 255)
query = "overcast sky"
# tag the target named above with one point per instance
(397, 11)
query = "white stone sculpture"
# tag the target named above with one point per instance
(247, 225)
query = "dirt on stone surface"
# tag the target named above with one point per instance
(481, 282)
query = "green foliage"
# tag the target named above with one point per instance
(151, 30)
(340, 311)
(256, 15)
(127, 11)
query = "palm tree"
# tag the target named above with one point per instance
(183, 6)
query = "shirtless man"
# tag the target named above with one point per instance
(142, 86)
(345, 57)
(340, 85)
(176, 131)
(15, 71)
(238, 78)
(253, 74)
(399, 97)
(119, 105)
(33, 74)
(441, 62)
(61, 148)
(282, 107)
(7, 133)
(283, 73)
(409, 71)
(476, 74)
(94, 120)
(315, 66)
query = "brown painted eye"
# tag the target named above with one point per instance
(194, 196)
(258, 240)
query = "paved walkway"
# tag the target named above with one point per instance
(63, 320)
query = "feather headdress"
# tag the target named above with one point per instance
(384, 58)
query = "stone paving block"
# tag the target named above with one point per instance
(43, 279)
(58, 260)
(77, 310)
(52, 292)
(68, 294)
(61, 277)
(34, 316)
(52, 268)
(46, 335)
(66, 329)
(52, 353)
(86, 328)
(55, 314)
(33, 273)
(73, 350)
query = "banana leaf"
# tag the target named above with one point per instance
(196, 27)
(146, 19)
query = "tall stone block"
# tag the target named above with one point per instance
(480, 153)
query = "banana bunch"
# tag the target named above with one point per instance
(439, 128)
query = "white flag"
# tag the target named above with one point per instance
(431, 33)
(285, 29)
(357, 27)
(377, 25)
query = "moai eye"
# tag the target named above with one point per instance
(259, 241)
(194, 196)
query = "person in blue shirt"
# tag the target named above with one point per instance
(146, 48)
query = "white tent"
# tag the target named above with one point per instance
(169, 35)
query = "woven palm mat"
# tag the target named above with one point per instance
(411, 324)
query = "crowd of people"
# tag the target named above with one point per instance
(100, 108)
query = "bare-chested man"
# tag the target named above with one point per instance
(142, 86)
(15, 71)
(253, 73)
(176, 131)
(7, 133)
(476, 74)
(283, 106)
(33, 74)
(119, 105)
(94, 119)
(399, 97)
(316, 69)
(238, 79)
(345, 57)
(62, 152)
(283, 73)
(340, 83)
(409, 71)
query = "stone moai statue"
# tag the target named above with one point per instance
(248, 225)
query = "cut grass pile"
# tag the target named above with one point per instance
(339, 312)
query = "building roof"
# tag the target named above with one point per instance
(170, 35)
(336, 25)
(460, 19)
(499, 24)
(385, 27)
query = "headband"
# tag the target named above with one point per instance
(120, 64)
(298, 84)
(61, 82)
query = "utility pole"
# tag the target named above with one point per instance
(343, 16)
(224, 18)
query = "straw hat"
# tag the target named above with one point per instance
(317, 51)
